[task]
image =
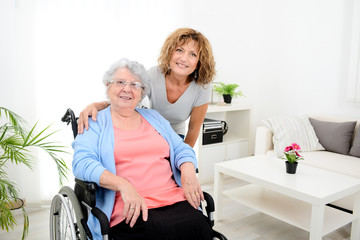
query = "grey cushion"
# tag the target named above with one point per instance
(355, 149)
(334, 136)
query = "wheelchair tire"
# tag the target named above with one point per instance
(65, 216)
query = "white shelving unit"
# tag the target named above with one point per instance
(235, 143)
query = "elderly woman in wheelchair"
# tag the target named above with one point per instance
(146, 173)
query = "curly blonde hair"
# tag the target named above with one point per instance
(205, 70)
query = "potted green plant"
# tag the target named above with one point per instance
(15, 144)
(227, 91)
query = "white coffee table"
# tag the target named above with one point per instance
(299, 199)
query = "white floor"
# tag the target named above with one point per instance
(239, 222)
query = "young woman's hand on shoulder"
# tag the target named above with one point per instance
(90, 111)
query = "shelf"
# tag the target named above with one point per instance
(227, 140)
(287, 209)
(213, 108)
(235, 142)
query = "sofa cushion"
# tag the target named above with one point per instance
(355, 149)
(292, 129)
(335, 162)
(334, 136)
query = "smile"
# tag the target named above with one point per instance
(126, 98)
(181, 65)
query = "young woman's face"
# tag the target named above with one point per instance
(127, 96)
(185, 59)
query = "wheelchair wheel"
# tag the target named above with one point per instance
(65, 216)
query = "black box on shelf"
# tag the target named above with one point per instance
(213, 131)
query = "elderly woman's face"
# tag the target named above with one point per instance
(127, 96)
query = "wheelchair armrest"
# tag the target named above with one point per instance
(85, 191)
(104, 222)
(88, 186)
(210, 208)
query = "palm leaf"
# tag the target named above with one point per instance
(14, 151)
(39, 137)
(15, 144)
(50, 148)
(8, 192)
(15, 120)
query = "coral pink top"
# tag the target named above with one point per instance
(140, 158)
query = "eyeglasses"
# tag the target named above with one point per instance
(122, 83)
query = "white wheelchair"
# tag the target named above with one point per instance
(70, 208)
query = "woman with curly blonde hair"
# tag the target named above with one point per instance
(180, 86)
(206, 65)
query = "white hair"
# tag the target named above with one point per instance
(136, 69)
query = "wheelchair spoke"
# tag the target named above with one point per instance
(66, 215)
(65, 225)
(62, 224)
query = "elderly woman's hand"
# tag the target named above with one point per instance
(133, 203)
(190, 185)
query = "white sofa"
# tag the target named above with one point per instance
(340, 163)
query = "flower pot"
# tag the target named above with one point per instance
(291, 167)
(227, 98)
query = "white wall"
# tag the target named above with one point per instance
(304, 58)
(53, 57)
(288, 56)
(17, 85)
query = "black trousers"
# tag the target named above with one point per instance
(179, 221)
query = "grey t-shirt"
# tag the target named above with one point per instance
(176, 113)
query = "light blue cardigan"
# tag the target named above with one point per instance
(94, 152)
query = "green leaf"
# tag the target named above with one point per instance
(15, 120)
(15, 144)
(224, 89)
(8, 192)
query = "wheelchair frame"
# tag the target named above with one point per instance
(70, 208)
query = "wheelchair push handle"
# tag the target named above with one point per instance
(69, 117)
